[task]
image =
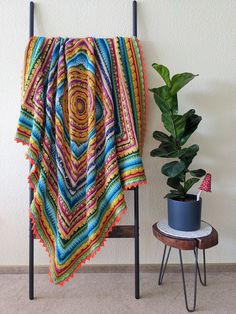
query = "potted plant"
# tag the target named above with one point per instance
(184, 210)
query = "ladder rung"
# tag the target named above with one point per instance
(122, 232)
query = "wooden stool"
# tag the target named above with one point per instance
(194, 242)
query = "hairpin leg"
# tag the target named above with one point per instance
(163, 265)
(195, 281)
(202, 281)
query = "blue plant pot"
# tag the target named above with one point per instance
(185, 215)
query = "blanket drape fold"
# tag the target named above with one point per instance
(83, 118)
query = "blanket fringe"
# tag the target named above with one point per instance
(134, 185)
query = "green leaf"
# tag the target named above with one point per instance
(197, 173)
(160, 136)
(165, 150)
(191, 150)
(157, 152)
(189, 183)
(177, 192)
(189, 154)
(170, 195)
(178, 81)
(175, 183)
(164, 73)
(175, 124)
(172, 102)
(173, 169)
(164, 99)
(159, 100)
(191, 125)
(181, 176)
(176, 196)
(188, 114)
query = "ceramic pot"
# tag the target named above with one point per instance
(185, 215)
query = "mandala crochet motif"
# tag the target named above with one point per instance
(83, 118)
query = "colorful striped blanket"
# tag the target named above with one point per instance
(83, 116)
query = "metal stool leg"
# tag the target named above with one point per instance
(195, 281)
(202, 281)
(163, 265)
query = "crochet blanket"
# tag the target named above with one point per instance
(82, 116)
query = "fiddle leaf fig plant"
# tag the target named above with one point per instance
(179, 128)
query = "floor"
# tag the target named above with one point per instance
(112, 293)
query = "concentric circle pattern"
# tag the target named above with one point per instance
(83, 119)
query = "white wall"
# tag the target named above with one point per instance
(187, 35)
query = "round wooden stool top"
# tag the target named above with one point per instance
(186, 244)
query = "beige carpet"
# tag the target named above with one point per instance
(114, 294)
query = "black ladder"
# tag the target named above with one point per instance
(122, 231)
